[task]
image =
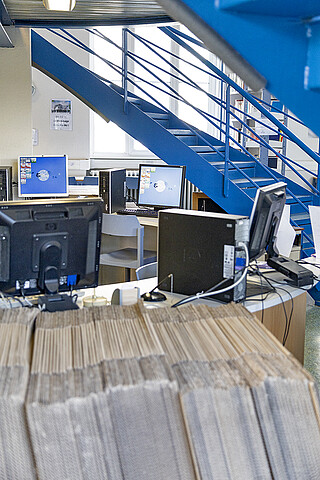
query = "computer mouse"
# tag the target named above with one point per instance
(153, 297)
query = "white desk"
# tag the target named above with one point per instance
(271, 310)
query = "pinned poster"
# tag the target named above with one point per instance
(315, 225)
(61, 115)
(286, 234)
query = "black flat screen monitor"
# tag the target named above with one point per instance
(265, 217)
(43, 176)
(49, 247)
(161, 186)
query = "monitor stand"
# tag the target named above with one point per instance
(49, 275)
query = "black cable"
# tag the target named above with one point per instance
(285, 337)
(258, 272)
(287, 320)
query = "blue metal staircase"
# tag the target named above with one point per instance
(228, 175)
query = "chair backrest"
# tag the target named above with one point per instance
(147, 271)
(121, 225)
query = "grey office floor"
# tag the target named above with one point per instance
(312, 341)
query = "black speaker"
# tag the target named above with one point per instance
(201, 249)
(112, 189)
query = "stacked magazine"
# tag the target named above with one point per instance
(129, 393)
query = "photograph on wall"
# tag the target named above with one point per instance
(61, 115)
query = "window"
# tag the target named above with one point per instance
(108, 140)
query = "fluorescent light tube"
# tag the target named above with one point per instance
(60, 5)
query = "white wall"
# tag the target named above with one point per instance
(15, 99)
(75, 143)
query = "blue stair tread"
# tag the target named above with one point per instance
(256, 180)
(301, 217)
(302, 198)
(202, 148)
(157, 115)
(180, 131)
(244, 164)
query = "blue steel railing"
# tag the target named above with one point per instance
(222, 122)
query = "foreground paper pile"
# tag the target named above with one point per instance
(116, 393)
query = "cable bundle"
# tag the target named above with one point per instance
(16, 459)
(250, 409)
(102, 401)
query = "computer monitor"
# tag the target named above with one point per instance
(264, 223)
(47, 248)
(161, 186)
(43, 176)
(265, 217)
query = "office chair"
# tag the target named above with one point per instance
(122, 243)
(147, 271)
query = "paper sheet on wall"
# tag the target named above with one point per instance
(315, 225)
(286, 234)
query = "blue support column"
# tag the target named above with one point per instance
(125, 68)
(227, 146)
(264, 151)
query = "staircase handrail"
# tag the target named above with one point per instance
(171, 33)
(134, 57)
(267, 170)
(199, 43)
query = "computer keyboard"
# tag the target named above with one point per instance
(139, 212)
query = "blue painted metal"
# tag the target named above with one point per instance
(107, 100)
(171, 32)
(285, 8)
(231, 179)
(315, 293)
(125, 68)
(275, 46)
(227, 147)
(312, 71)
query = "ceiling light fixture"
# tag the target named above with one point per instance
(60, 5)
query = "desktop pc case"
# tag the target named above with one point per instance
(201, 249)
(112, 189)
(5, 184)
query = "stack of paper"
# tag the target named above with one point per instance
(16, 459)
(250, 409)
(103, 402)
(125, 393)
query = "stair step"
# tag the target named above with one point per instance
(258, 180)
(161, 118)
(301, 217)
(156, 115)
(180, 131)
(201, 148)
(136, 101)
(241, 165)
(302, 198)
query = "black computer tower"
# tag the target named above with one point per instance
(112, 189)
(201, 249)
(5, 184)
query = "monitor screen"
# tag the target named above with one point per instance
(49, 247)
(265, 218)
(161, 186)
(43, 176)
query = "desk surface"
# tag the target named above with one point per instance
(275, 311)
(253, 305)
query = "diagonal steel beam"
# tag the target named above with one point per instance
(4, 15)
(4, 38)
